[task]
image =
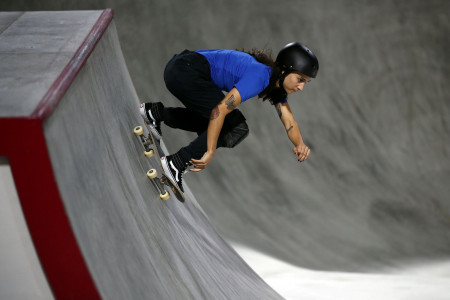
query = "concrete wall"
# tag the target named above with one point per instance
(374, 191)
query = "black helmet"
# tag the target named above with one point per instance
(297, 57)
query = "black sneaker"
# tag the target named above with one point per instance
(152, 114)
(174, 168)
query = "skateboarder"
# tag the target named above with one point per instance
(198, 79)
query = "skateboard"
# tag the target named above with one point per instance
(152, 146)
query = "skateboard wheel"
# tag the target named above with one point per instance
(138, 130)
(149, 153)
(164, 196)
(152, 173)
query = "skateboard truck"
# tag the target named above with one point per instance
(153, 176)
(139, 131)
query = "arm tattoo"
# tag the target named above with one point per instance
(215, 113)
(289, 129)
(230, 103)
(278, 108)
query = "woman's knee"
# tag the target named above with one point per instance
(235, 129)
(236, 135)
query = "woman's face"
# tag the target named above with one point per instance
(295, 82)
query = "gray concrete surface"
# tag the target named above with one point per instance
(34, 50)
(375, 189)
(135, 245)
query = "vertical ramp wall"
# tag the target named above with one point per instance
(40, 55)
(98, 225)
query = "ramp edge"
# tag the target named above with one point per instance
(65, 79)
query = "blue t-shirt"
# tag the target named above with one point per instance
(230, 68)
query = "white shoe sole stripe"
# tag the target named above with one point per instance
(167, 170)
(176, 171)
(153, 118)
(151, 123)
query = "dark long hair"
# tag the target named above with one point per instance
(272, 93)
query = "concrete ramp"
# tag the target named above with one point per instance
(97, 227)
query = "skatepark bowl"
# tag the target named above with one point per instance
(366, 217)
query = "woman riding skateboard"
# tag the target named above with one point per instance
(198, 79)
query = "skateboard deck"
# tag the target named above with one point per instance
(152, 146)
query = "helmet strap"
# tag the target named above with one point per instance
(282, 78)
(279, 94)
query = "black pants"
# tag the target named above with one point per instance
(188, 77)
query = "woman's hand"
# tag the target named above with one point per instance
(202, 163)
(302, 152)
